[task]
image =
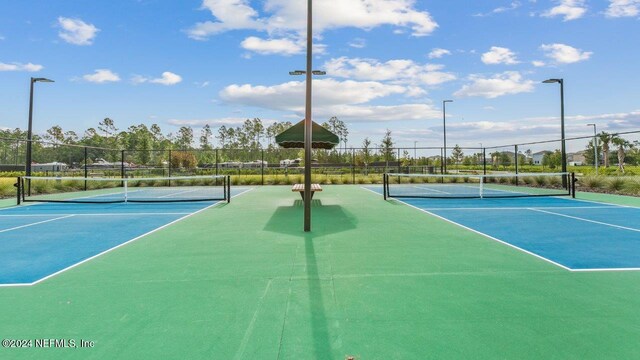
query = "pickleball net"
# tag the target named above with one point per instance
(117, 190)
(467, 186)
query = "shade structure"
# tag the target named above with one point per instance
(293, 137)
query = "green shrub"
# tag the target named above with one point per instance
(592, 181)
(615, 183)
(632, 186)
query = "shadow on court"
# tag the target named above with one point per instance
(326, 219)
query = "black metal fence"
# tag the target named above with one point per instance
(283, 166)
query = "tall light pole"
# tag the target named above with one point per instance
(595, 147)
(415, 153)
(307, 117)
(564, 149)
(307, 131)
(30, 128)
(444, 128)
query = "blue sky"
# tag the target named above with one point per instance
(389, 64)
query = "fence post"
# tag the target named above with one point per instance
(262, 166)
(484, 160)
(122, 174)
(353, 166)
(399, 167)
(516, 162)
(216, 162)
(169, 167)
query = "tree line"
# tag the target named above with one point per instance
(148, 144)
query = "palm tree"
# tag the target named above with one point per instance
(605, 139)
(622, 145)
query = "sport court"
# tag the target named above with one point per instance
(375, 280)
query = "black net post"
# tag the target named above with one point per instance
(573, 185)
(384, 185)
(18, 192)
(228, 185)
(85, 168)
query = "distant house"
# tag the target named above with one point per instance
(576, 159)
(537, 157)
(53, 166)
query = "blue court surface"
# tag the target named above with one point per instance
(43, 239)
(574, 234)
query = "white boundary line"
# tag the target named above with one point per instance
(586, 220)
(36, 223)
(94, 214)
(513, 246)
(487, 236)
(119, 245)
(517, 208)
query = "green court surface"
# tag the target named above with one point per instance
(374, 280)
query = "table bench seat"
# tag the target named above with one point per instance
(300, 188)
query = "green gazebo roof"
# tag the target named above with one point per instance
(293, 137)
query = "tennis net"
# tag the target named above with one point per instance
(478, 186)
(116, 190)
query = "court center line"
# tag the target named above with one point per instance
(178, 193)
(586, 220)
(36, 223)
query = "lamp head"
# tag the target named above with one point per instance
(42, 80)
(551, 81)
(297, 72)
(446, 101)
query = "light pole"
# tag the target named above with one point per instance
(415, 153)
(307, 116)
(444, 128)
(595, 147)
(564, 149)
(30, 128)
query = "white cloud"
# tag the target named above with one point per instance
(499, 55)
(211, 122)
(289, 16)
(623, 8)
(76, 31)
(538, 63)
(397, 71)
(513, 6)
(569, 9)
(507, 83)
(290, 95)
(358, 43)
(29, 67)
(437, 53)
(565, 54)
(272, 46)
(102, 76)
(168, 78)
